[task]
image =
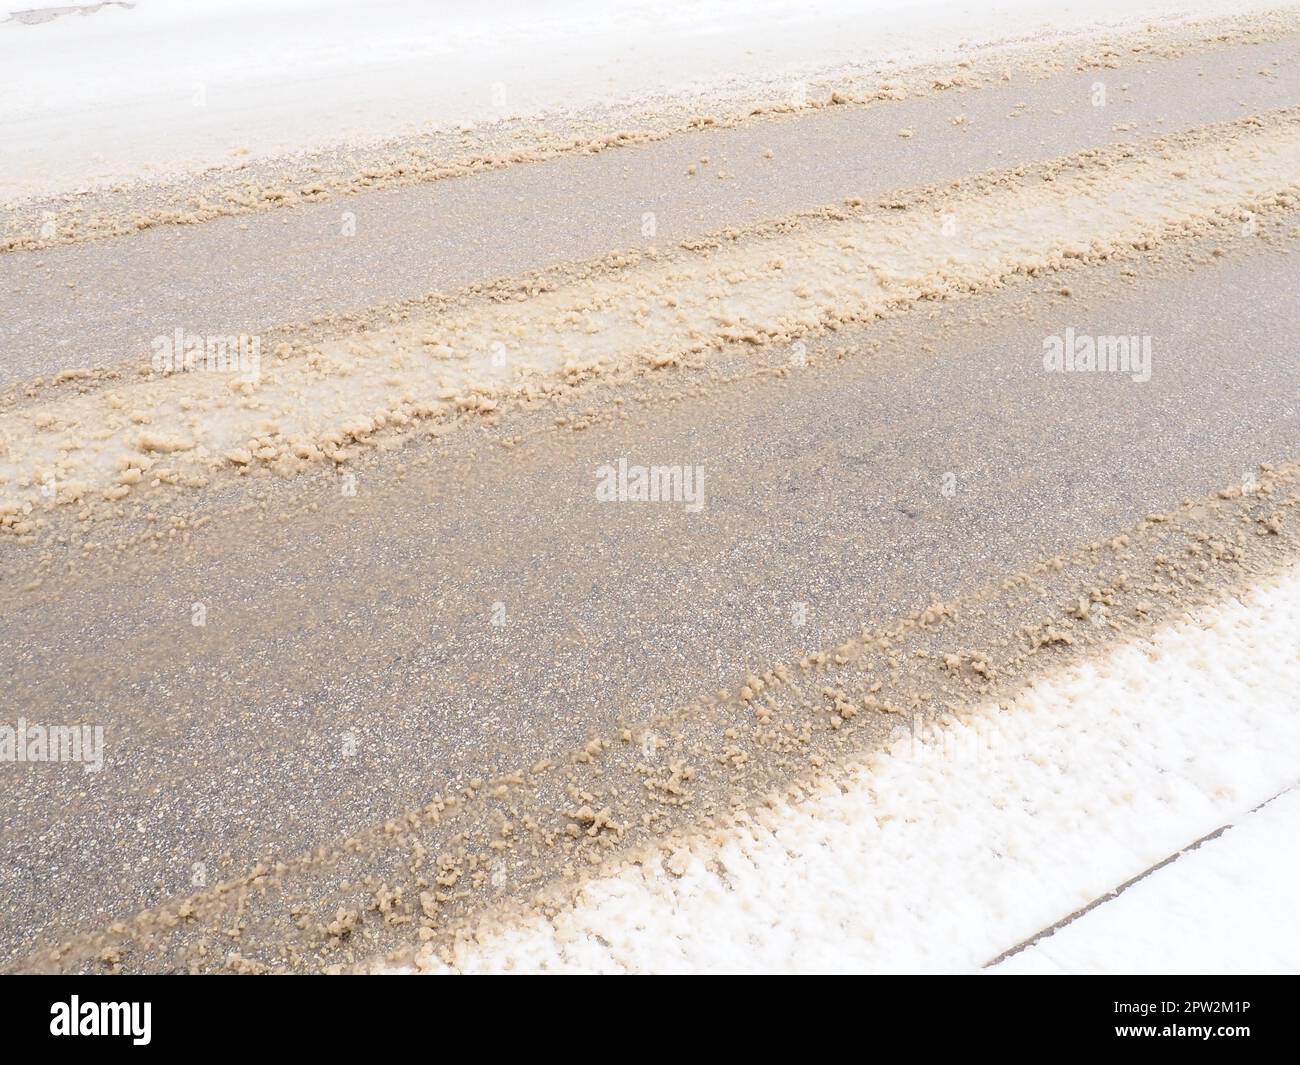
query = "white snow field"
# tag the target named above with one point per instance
(953, 847)
(96, 93)
(1227, 907)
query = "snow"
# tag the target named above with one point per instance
(169, 85)
(847, 270)
(952, 847)
(1227, 907)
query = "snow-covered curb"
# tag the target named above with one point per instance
(952, 847)
(151, 88)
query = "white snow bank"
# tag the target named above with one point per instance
(951, 848)
(1227, 907)
(165, 85)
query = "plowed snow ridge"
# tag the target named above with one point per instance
(951, 847)
(313, 405)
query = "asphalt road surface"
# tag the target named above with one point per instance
(100, 304)
(470, 608)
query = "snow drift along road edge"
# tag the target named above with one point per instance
(948, 848)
